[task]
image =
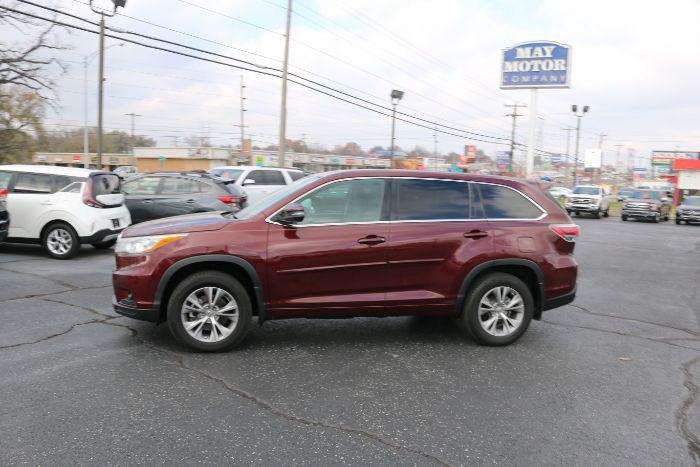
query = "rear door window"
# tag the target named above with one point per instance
(144, 186)
(425, 199)
(501, 202)
(33, 183)
(178, 186)
(274, 177)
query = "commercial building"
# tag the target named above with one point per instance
(75, 159)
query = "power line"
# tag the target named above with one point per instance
(73, 26)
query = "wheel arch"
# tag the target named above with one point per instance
(524, 269)
(237, 267)
(48, 224)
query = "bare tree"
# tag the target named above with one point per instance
(25, 62)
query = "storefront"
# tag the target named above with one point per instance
(71, 159)
(688, 171)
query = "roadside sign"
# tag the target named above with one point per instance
(538, 64)
(593, 159)
(161, 158)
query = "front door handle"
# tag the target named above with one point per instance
(475, 234)
(147, 201)
(46, 203)
(372, 240)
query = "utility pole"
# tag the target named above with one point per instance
(283, 107)
(515, 115)
(435, 147)
(617, 156)
(133, 117)
(579, 115)
(568, 130)
(242, 126)
(599, 171)
(100, 93)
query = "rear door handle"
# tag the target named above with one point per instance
(46, 203)
(372, 240)
(191, 201)
(147, 201)
(475, 234)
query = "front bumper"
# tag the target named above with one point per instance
(582, 207)
(143, 314)
(101, 236)
(638, 214)
(688, 216)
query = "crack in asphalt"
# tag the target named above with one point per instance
(683, 410)
(45, 338)
(42, 295)
(270, 407)
(50, 279)
(586, 310)
(663, 340)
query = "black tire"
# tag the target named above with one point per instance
(104, 245)
(678, 221)
(666, 218)
(623, 217)
(655, 220)
(596, 215)
(606, 213)
(71, 238)
(210, 279)
(568, 211)
(577, 214)
(470, 314)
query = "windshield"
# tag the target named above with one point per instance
(586, 190)
(692, 201)
(227, 174)
(274, 198)
(646, 194)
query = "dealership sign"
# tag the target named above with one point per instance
(539, 64)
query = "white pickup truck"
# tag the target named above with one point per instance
(589, 199)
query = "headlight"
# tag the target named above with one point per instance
(138, 245)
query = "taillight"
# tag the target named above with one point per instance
(87, 195)
(568, 232)
(3, 193)
(236, 200)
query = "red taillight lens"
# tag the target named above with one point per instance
(231, 200)
(3, 193)
(87, 195)
(568, 232)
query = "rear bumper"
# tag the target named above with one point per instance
(101, 236)
(561, 300)
(143, 314)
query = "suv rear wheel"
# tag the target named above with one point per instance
(209, 311)
(60, 241)
(498, 309)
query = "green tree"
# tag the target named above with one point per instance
(21, 114)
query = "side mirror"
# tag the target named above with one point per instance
(249, 181)
(291, 214)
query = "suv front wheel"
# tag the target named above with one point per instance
(498, 309)
(209, 311)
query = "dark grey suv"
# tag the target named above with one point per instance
(165, 194)
(689, 210)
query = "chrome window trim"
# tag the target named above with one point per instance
(269, 220)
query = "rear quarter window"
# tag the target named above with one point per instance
(295, 174)
(33, 183)
(5, 178)
(501, 202)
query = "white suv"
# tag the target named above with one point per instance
(589, 199)
(258, 182)
(63, 207)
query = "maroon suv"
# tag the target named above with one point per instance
(494, 252)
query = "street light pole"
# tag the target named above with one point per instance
(133, 118)
(395, 98)
(283, 107)
(579, 116)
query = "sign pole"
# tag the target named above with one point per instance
(530, 162)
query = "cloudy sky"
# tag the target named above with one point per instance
(634, 62)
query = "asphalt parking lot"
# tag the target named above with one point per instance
(612, 379)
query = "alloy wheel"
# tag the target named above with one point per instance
(59, 241)
(209, 314)
(501, 311)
